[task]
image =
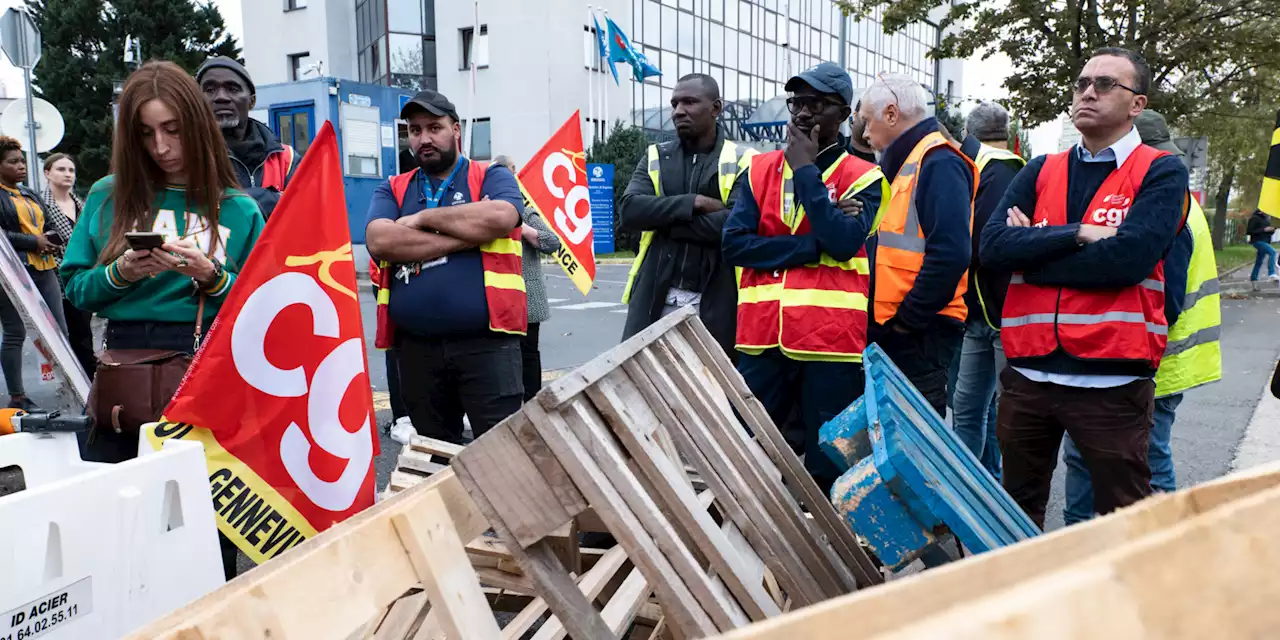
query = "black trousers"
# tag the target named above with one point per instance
(398, 410)
(443, 379)
(531, 363)
(80, 335)
(924, 357)
(814, 392)
(1111, 428)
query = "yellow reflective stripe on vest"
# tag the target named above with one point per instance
(760, 293)
(646, 237)
(792, 214)
(502, 245)
(861, 265)
(384, 296)
(826, 298)
(988, 153)
(513, 281)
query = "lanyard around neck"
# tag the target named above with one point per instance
(434, 198)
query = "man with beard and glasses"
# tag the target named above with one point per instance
(263, 164)
(452, 297)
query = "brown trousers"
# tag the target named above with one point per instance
(1109, 426)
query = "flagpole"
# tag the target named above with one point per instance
(605, 115)
(591, 73)
(471, 99)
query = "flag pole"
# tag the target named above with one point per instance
(591, 72)
(604, 116)
(471, 98)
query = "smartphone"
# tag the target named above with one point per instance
(139, 241)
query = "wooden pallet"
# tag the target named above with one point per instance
(1198, 563)
(614, 436)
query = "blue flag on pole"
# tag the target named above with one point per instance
(603, 45)
(620, 50)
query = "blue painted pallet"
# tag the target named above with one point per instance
(909, 479)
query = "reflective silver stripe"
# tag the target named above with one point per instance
(908, 169)
(653, 164)
(914, 244)
(1203, 336)
(1022, 321)
(788, 212)
(728, 168)
(1085, 318)
(1017, 279)
(1154, 285)
(1208, 288)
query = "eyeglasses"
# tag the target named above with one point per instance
(880, 77)
(1101, 84)
(813, 104)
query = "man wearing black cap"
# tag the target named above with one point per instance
(263, 165)
(452, 297)
(798, 228)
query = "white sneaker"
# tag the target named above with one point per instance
(1273, 277)
(402, 431)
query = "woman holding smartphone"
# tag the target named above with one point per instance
(25, 224)
(172, 176)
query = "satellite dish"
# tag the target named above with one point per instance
(49, 124)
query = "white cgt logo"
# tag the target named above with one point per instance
(576, 227)
(1112, 215)
(324, 393)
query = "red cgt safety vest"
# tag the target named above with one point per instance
(503, 271)
(1090, 324)
(275, 170)
(813, 312)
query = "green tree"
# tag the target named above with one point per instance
(948, 117)
(83, 55)
(1218, 43)
(622, 148)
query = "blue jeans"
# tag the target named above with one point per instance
(1079, 490)
(1265, 253)
(977, 390)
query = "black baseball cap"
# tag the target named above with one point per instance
(432, 102)
(827, 77)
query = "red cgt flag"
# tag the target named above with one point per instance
(554, 183)
(279, 394)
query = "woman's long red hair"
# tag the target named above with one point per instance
(138, 179)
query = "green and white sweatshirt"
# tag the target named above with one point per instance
(168, 297)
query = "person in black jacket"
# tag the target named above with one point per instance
(263, 164)
(23, 219)
(682, 264)
(1260, 230)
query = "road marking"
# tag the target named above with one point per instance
(581, 306)
(618, 311)
(556, 300)
(596, 281)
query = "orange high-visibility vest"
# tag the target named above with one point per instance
(813, 312)
(901, 244)
(503, 270)
(275, 170)
(1090, 324)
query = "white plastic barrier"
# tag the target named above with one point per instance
(92, 550)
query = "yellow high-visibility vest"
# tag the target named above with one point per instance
(1193, 356)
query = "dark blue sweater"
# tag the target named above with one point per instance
(943, 195)
(1051, 256)
(992, 284)
(831, 231)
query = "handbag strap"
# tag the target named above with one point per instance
(199, 324)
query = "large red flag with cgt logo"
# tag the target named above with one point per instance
(554, 183)
(279, 393)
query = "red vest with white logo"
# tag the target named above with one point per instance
(503, 270)
(1126, 324)
(813, 312)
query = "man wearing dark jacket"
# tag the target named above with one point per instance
(1084, 324)
(981, 356)
(1260, 230)
(263, 165)
(679, 198)
(922, 246)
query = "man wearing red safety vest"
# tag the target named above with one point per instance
(1083, 326)
(263, 164)
(451, 292)
(797, 229)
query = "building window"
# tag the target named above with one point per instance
(480, 51)
(294, 5)
(481, 149)
(296, 65)
(591, 49)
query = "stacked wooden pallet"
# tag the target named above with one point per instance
(611, 436)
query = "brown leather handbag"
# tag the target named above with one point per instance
(132, 387)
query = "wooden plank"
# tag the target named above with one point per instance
(621, 609)
(538, 560)
(803, 488)
(493, 577)
(567, 387)
(514, 483)
(332, 583)
(557, 478)
(596, 438)
(682, 608)
(401, 480)
(790, 552)
(447, 576)
(434, 447)
(590, 585)
(418, 462)
(737, 503)
(622, 406)
(403, 615)
(366, 632)
(874, 612)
